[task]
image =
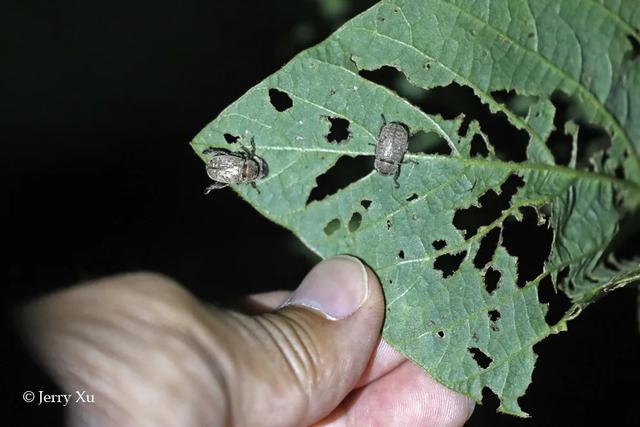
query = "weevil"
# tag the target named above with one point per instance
(393, 141)
(228, 167)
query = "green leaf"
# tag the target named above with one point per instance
(465, 334)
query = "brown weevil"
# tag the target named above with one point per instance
(393, 141)
(227, 167)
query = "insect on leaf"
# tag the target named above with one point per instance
(563, 77)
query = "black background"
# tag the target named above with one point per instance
(99, 103)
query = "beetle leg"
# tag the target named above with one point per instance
(250, 153)
(253, 184)
(395, 178)
(384, 119)
(215, 186)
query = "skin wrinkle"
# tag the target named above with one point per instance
(308, 346)
(206, 367)
(298, 365)
(269, 340)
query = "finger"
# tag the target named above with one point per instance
(264, 302)
(405, 396)
(302, 360)
(385, 358)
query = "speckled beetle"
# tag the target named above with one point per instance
(393, 141)
(227, 167)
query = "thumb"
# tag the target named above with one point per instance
(295, 365)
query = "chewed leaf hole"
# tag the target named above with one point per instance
(509, 142)
(488, 247)
(280, 100)
(411, 197)
(440, 334)
(339, 130)
(449, 263)
(478, 147)
(365, 203)
(557, 301)
(438, 244)
(428, 143)
(530, 241)
(480, 357)
(519, 104)
(389, 225)
(346, 171)
(591, 139)
(494, 315)
(559, 142)
(355, 221)
(231, 139)
(490, 400)
(332, 227)
(491, 279)
(395, 80)
(401, 254)
(491, 206)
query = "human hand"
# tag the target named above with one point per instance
(151, 354)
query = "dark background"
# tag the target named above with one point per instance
(99, 101)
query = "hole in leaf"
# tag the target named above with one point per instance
(332, 227)
(365, 203)
(491, 206)
(480, 357)
(355, 221)
(635, 46)
(347, 170)
(494, 315)
(231, 139)
(510, 143)
(491, 279)
(339, 131)
(441, 334)
(530, 242)
(591, 139)
(559, 142)
(562, 276)
(558, 302)
(389, 224)
(428, 143)
(619, 172)
(401, 254)
(411, 197)
(395, 80)
(488, 247)
(449, 263)
(453, 100)
(438, 244)
(490, 401)
(280, 100)
(478, 147)
(519, 104)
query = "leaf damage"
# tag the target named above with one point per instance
(522, 162)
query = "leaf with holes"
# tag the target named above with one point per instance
(497, 208)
